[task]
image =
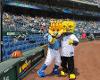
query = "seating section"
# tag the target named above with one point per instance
(29, 42)
(29, 31)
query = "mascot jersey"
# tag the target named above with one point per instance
(56, 45)
(68, 50)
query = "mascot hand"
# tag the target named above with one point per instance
(70, 42)
(52, 41)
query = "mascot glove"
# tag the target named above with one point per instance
(52, 41)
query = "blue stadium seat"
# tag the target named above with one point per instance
(5, 40)
(11, 44)
(13, 49)
(6, 45)
(7, 53)
(19, 47)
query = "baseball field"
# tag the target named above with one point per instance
(87, 64)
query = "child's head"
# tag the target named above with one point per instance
(69, 26)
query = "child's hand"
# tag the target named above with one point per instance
(70, 42)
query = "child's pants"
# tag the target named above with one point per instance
(67, 64)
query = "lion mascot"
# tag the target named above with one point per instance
(54, 44)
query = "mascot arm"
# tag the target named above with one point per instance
(51, 40)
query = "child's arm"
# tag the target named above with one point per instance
(73, 41)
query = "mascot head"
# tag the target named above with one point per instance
(55, 28)
(69, 26)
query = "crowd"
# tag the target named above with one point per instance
(88, 26)
(41, 24)
(24, 23)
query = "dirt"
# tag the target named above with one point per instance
(87, 64)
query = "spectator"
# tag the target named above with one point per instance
(83, 35)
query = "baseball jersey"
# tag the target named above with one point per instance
(56, 45)
(68, 50)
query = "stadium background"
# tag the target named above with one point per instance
(24, 23)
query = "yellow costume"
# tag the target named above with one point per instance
(54, 45)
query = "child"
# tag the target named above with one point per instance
(68, 42)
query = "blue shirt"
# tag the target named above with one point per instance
(56, 45)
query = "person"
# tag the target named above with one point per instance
(68, 42)
(53, 53)
(83, 35)
(91, 36)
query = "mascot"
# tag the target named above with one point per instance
(69, 40)
(54, 46)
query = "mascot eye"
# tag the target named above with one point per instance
(57, 29)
